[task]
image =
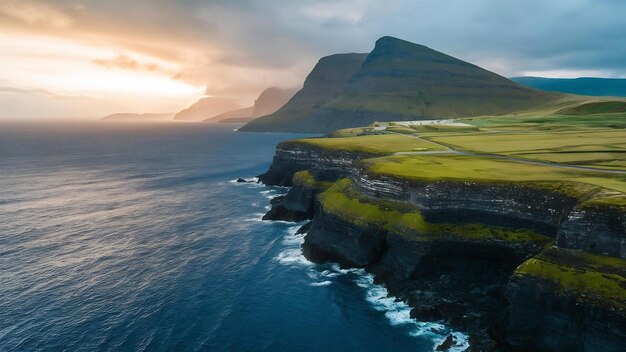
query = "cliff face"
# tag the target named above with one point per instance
(499, 204)
(598, 229)
(477, 255)
(292, 157)
(564, 300)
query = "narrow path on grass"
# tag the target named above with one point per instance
(449, 150)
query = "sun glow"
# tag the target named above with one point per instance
(66, 67)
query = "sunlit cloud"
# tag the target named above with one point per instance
(34, 13)
(126, 62)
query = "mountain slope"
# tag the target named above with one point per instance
(207, 107)
(612, 87)
(243, 113)
(326, 81)
(270, 100)
(400, 80)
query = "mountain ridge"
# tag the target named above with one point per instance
(400, 80)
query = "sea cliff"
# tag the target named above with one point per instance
(520, 266)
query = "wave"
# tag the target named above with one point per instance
(397, 312)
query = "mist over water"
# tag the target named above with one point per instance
(136, 238)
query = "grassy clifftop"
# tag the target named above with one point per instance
(376, 144)
(593, 278)
(343, 201)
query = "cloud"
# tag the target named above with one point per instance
(336, 13)
(128, 63)
(237, 48)
(34, 13)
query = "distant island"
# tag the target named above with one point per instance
(494, 207)
(268, 102)
(220, 110)
(608, 87)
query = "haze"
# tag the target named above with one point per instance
(88, 58)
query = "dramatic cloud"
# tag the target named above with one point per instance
(237, 48)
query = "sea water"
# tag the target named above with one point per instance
(136, 237)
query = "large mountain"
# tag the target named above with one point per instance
(327, 80)
(398, 80)
(611, 87)
(206, 108)
(267, 103)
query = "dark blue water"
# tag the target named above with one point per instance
(135, 238)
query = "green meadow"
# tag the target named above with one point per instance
(581, 155)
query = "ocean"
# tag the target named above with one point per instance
(137, 237)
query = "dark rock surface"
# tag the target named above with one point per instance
(597, 229)
(497, 204)
(331, 239)
(291, 157)
(541, 319)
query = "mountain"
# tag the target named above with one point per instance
(612, 87)
(123, 116)
(207, 107)
(399, 80)
(244, 114)
(271, 100)
(326, 81)
(267, 103)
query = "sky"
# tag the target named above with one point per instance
(89, 58)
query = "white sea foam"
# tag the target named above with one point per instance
(291, 253)
(397, 312)
(323, 283)
(292, 257)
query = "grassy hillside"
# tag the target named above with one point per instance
(398, 80)
(406, 81)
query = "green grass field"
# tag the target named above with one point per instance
(603, 148)
(381, 144)
(565, 144)
(577, 183)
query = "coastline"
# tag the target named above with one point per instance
(470, 276)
